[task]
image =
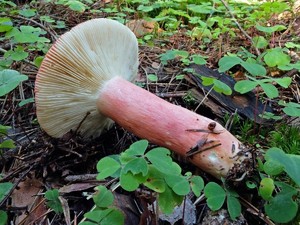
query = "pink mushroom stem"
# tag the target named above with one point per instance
(166, 124)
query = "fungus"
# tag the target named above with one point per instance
(85, 83)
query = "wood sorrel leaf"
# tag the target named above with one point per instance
(215, 195)
(106, 167)
(167, 200)
(137, 148)
(178, 183)
(282, 208)
(9, 80)
(276, 57)
(266, 188)
(227, 62)
(161, 159)
(135, 166)
(197, 185)
(270, 90)
(129, 182)
(103, 198)
(290, 162)
(245, 86)
(234, 207)
(254, 69)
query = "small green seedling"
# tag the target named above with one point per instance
(216, 196)
(52, 197)
(276, 163)
(4, 190)
(154, 169)
(104, 213)
(9, 80)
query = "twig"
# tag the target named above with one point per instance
(205, 97)
(239, 26)
(255, 211)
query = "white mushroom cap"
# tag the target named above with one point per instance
(74, 70)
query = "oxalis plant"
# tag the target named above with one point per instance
(155, 170)
(5, 187)
(256, 75)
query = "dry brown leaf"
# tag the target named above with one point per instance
(27, 195)
(141, 27)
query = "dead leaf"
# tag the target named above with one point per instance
(142, 27)
(27, 195)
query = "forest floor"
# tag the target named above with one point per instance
(40, 162)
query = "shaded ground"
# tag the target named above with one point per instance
(40, 163)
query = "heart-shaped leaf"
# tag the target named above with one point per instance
(215, 195)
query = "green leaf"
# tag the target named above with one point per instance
(260, 42)
(155, 180)
(290, 162)
(26, 101)
(103, 198)
(172, 54)
(234, 207)
(7, 144)
(4, 189)
(266, 188)
(152, 77)
(27, 12)
(276, 57)
(201, 9)
(254, 68)
(215, 195)
(270, 29)
(270, 90)
(198, 59)
(38, 61)
(161, 159)
(53, 200)
(129, 182)
(135, 166)
(221, 87)
(273, 168)
(17, 53)
(282, 208)
(3, 217)
(137, 148)
(178, 183)
(47, 19)
(86, 223)
(292, 45)
(206, 81)
(4, 129)
(5, 24)
(98, 215)
(197, 185)
(284, 82)
(145, 8)
(167, 200)
(27, 34)
(106, 167)
(251, 184)
(245, 86)
(292, 109)
(227, 62)
(9, 80)
(115, 217)
(76, 6)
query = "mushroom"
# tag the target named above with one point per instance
(85, 83)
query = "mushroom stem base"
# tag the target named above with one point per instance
(171, 126)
